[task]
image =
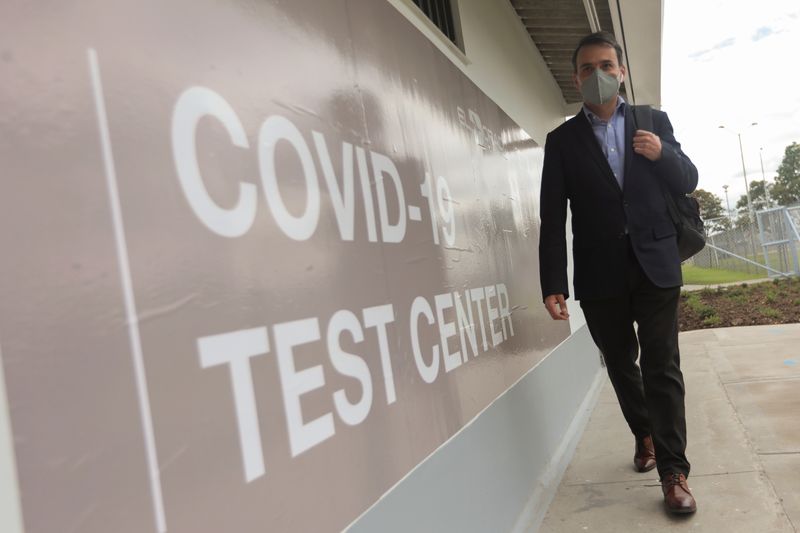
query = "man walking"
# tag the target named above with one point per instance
(627, 269)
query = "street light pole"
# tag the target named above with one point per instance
(753, 221)
(763, 177)
(746, 186)
(744, 173)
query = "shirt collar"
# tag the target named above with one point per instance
(621, 103)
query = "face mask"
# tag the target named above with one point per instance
(599, 88)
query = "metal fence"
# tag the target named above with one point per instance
(765, 243)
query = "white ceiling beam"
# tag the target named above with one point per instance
(591, 14)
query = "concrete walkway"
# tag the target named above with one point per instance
(743, 415)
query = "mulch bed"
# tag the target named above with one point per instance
(771, 302)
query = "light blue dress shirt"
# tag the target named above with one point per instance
(611, 136)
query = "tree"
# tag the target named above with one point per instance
(758, 195)
(710, 204)
(787, 183)
(711, 211)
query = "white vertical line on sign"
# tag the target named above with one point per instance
(127, 289)
(10, 502)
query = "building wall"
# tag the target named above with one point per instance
(500, 472)
(512, 448)
(500, 58)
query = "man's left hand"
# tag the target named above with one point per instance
(648, 144)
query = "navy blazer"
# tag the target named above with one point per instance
(575, 169)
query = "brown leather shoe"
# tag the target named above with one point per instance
(644, 459)
(677, 494)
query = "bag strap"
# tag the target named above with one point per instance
(643, 120)
(642, 117)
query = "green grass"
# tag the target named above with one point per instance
(777, 260)
(702, 309)
(693, 275)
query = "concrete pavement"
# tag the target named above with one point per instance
(743, 416)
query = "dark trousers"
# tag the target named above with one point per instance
(652, 399)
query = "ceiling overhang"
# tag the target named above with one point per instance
(556, 26)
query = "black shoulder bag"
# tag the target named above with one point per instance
(683, 209)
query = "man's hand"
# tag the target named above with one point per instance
(648, 144)
(557, 306)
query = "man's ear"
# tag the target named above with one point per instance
(575, 81)
(623, 73)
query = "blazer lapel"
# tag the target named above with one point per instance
(586, 136)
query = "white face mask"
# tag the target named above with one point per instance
(599, 88)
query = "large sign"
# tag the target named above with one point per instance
(260, 259)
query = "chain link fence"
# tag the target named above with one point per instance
(765, 243)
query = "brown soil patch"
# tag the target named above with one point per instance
(771, 302)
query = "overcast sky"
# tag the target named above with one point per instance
(732, 62)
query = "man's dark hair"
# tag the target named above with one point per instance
(603, 38)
